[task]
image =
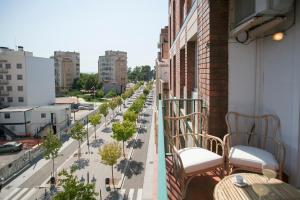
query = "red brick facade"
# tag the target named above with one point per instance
(211, 46)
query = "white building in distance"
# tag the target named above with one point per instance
(25, 80)
(112, 71)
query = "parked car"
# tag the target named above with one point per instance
(11, 147)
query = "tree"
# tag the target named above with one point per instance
(78, 132)
(51, 145)
(146, 91)
(123, 131)
(74, 189)
(111, 93)
(100, 94)
(95, 120)
(113, 104)
(119, 101)
(130, 116)
(103, 109)
(110, 153)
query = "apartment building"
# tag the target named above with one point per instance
(25, 79)
(162, 65)
(112, 71)
(239, 56)
(67, 69)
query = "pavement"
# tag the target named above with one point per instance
(32, 183)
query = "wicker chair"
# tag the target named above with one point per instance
(253, 143)
(194, 152)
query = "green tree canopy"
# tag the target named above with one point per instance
(103, 109)
(74, 189)
(51, 145)
(78, 133)
(130, 116)
(122, 131)
(95, 120)
(110, 153)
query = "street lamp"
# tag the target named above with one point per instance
(87, 134)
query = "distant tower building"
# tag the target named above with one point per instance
(112, 71)
(67, 69)
(25, 80)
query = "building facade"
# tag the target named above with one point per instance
(112, 71)
(25, 79)
(162, 65)
(67, 69)
(227, 53)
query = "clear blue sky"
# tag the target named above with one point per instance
(87, 26)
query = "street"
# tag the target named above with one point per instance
(32, 183)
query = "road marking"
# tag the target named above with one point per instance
(139, 194)
(23, 191)
(29, 194)
(121, 194)
(130, 194)
(12, 193)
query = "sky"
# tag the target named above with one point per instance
(87, 26)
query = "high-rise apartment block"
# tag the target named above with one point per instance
(112, 71)
(25, 79)
(67, 69)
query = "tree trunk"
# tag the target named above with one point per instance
(79, 150)
(112, 176)
(95, 132)
(123, 149)
(53, 167)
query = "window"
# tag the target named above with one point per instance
(20, 88)
(7, 115)
(1, 87)
(1, 76)
(19, 66)
(9, 99)
(9, 88)
(20, 77)
(8, 77)
(1, 99)
(21, 99)
(43, 115)
(7, 66)
(1, 66)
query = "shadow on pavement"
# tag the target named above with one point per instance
(107, 130)
(142, 130)
(114, 195)
(80, 164)
(135, 144)
(133, 167)
(97, 143)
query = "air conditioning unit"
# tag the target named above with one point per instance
(258, 16)
(245, 10)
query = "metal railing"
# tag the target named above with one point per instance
(3, 82)
(3, 71)
(4, 93)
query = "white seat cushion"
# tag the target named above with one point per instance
(252, 157)
(195, 159)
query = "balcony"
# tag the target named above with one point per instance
(4, 93)
(4, 82)
(3, 71)
(168, 185)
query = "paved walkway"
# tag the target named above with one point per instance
(29, 185)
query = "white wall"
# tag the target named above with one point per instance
(40, 81)
(265, 78)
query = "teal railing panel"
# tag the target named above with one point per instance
(162, 179)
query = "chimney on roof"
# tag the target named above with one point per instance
(20, 48)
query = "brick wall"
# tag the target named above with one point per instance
(213, 62)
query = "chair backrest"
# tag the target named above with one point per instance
(180, 130)
(258, 131)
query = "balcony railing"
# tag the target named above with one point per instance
(3, 71)
(172, 108)
(4, 82)
(4, 93)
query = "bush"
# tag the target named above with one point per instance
(87, 97)
(130, 116)
(111, 93)
(100, 94)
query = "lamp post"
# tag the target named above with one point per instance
(87, 134)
